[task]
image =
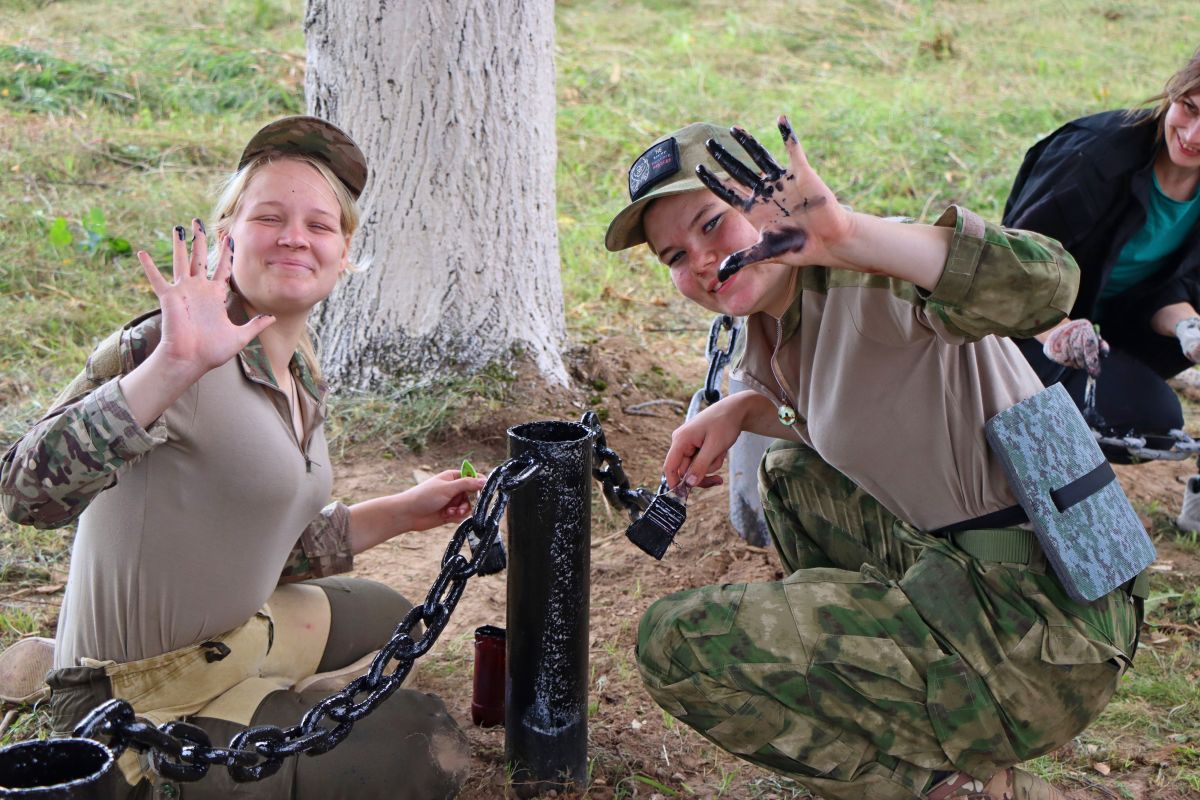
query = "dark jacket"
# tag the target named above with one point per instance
(1087, 185)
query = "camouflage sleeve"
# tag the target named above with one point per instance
(49, 475)
(324, 547)
(1000, 281)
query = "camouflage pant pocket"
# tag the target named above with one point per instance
(965, 718)
(762, 730)
(1051, 686)
(870, 687)
(672, 633)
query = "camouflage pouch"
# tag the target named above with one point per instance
(1090, 533)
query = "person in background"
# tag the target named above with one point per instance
(1121, 191)
(915, 648)
(192, 452)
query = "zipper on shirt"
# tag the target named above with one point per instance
(783, 396)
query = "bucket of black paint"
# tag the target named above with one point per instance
(55, 769)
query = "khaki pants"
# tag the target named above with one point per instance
(407, 747)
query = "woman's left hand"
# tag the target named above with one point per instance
(446, 497)
(798, 218)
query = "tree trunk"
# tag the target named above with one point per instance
(452, 102)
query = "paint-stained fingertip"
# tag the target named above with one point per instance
(729, 267)
(785, 129)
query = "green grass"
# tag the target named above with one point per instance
(117, 119)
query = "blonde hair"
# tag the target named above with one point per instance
(229, 201)
(1184, 82)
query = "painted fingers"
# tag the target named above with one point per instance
(774, 198)
(184, 264)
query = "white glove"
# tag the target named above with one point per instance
(1187, 331)
(1077, 345)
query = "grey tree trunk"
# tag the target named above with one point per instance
(452, 101)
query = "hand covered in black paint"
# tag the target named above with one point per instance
(796, 214)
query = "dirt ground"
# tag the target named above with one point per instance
(635, 750)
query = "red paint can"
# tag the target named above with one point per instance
(487, 695)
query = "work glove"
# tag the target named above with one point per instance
(1187, 331)
(1077, 345)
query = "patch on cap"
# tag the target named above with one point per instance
(660, 161)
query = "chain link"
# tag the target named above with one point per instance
(718, 358)
(607, 467)
(183, 752)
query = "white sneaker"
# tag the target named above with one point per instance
(23, 668)
(1189, 516)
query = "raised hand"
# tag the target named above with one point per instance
(796, 214)
(196, 330)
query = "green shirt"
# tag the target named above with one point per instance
(1149, 251)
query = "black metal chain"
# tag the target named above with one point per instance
(718, 358)
(183, 752)
(607, 468)
(607, 464)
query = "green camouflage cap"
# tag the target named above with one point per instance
(667, 167)
(314, 137)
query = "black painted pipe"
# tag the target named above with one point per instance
(56, 769)
(549, 582)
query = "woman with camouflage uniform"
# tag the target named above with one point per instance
(916, 649)
(192, 452)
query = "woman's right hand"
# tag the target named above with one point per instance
(1075, 344)
(197, 334)
(698, 446)
(797, 216)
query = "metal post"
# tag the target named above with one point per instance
(55, 769)
(549, 582)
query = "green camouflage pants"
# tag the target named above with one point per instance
(886, 654)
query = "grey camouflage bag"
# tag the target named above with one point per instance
(1090, 533)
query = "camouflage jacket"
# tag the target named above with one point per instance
(88, 438)
(891, 384)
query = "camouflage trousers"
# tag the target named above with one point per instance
(886, 654)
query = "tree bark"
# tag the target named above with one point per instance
(452, 102)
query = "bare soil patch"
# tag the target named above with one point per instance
(636, 749)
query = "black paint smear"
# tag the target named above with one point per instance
(772, 243)
(179, 232)
(736, 169)
(758, 154)
(809, 205)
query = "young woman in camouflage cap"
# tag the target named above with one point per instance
(897, 659)
(192, 452)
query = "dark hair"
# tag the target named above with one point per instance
(1184, 82)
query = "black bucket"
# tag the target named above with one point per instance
(55, 769)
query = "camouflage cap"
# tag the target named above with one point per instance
(314, 137)
(667, 167)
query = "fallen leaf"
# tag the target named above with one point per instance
(1101, 767)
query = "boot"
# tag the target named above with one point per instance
(1189, 515)
(23, 668)
(1007, 784)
